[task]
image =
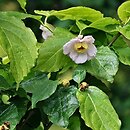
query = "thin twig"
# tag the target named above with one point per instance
(114, 39)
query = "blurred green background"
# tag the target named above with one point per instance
(120, 89)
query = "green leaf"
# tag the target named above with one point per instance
(65, 77)
(61, 105)
(104, 66)
(13, 113)
(96, 110)
(55, 127)
(45, 13)
(74, 123)
(122, 50)
(22, 52)
(22, 4)
(2, 52)
(40, 87)
(125, 30)
(6, 76)
(127, 41)
(106, 24)
(3, 84)
(74, 13)
(124, 11)
(81, 25)
(119, 43)
(20, 15)
(51, 57)
(124, 55)
(79, 74)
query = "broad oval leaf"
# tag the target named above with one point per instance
(124, 55)
(6, 76)
(125, 30)
(79, 74)
(106, 24)
(51, 57)
(104, 66)
(74, 13)
(122, 50)
(20, 15)
(124, 11)
(2, 52)
(10, 114)
(13, 112)
(96, 110)
(3, 83)
(19, 43)
(74, 123)
(61, 105)
(40, 87)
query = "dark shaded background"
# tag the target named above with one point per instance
(120, 89)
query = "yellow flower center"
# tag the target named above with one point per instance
(80, 47)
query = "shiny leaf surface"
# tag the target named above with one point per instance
(40, 87)
(13, 113)
(51, 57)
(61, 105)
(104, 66)
(22, 52)
(124, 11)
(74, 13)
(96, 110)
(106, 24)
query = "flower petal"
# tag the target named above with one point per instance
(82, 58)
(92, 50)
(73, 55)
(88, 39)
(68, 47)
(45, 32)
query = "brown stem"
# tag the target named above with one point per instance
(114, 39)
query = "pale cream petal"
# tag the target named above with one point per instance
(88, 39)
(45, 32)
(68, 47)
(92, 50)
(73, 55)
(41, 27)
(82, 58)
(45, 35)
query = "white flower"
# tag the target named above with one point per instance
(45, 32)
(80, 49)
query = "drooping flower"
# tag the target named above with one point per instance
(80, 49)
(45, 32)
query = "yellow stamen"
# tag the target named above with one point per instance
(80, 47)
